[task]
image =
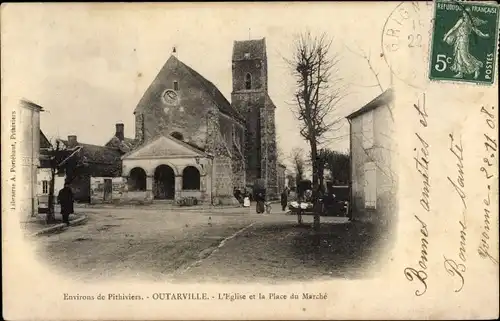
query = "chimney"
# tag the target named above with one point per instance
(120, 128)
(72, 142)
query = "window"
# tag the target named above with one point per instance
(370, 185)
(45, 187)
(176, 85)
(248, 81)
(177, 135)
(190, 178)
(367, 130)
(246, 55)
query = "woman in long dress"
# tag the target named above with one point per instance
(458, 36)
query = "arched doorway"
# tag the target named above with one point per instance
(191, 178)
(164, 183)
(137, 179)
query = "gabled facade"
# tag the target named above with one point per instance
(179, 101)
(167, 168)
(373, 179)
(183, 107)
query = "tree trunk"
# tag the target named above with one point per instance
(314, 154)
(50, 218)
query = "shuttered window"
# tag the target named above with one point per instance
(45, 187)
(370, 185)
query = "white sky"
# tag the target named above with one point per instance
(89, 64)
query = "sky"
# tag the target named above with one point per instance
(88, 65)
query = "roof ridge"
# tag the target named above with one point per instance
(212, 90)
(196, 149)
(385, 97)
(65, 141)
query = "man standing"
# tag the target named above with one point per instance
(284, 198)
(65, 198)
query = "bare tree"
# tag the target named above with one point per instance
(299, 164)
(291, 181)
(280, 156)
(317, 95)
(62, 160)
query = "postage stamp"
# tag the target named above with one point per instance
(464, 42)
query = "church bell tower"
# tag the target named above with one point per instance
(251, 99)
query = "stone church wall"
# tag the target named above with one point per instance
(223, 183)
(222, 192)
(254, 67)
(139, 127)
(187, 116)
(269, 159)
(238, 171)
(248, 105)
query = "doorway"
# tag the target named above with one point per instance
(108, 189)
(164, 183)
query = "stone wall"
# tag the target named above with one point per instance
(223, 184)
(268, 143)
(257, 68)
(222, 171)
(186, 114)
(249, 104)
(118, 185)
(139, 128)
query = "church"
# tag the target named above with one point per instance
(191, 142)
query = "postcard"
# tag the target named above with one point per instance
(288, 160)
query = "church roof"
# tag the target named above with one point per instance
(219, 99)
(222, 103)
(255, 48)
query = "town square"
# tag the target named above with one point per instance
(269, 160)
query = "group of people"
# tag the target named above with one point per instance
(259, 196)
(243, 198)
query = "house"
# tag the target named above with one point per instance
(373, 182)
(44, 175)
(26, 133)
(89, 161)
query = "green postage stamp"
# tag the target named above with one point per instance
(464, 42)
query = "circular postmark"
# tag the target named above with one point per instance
(405, 42)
